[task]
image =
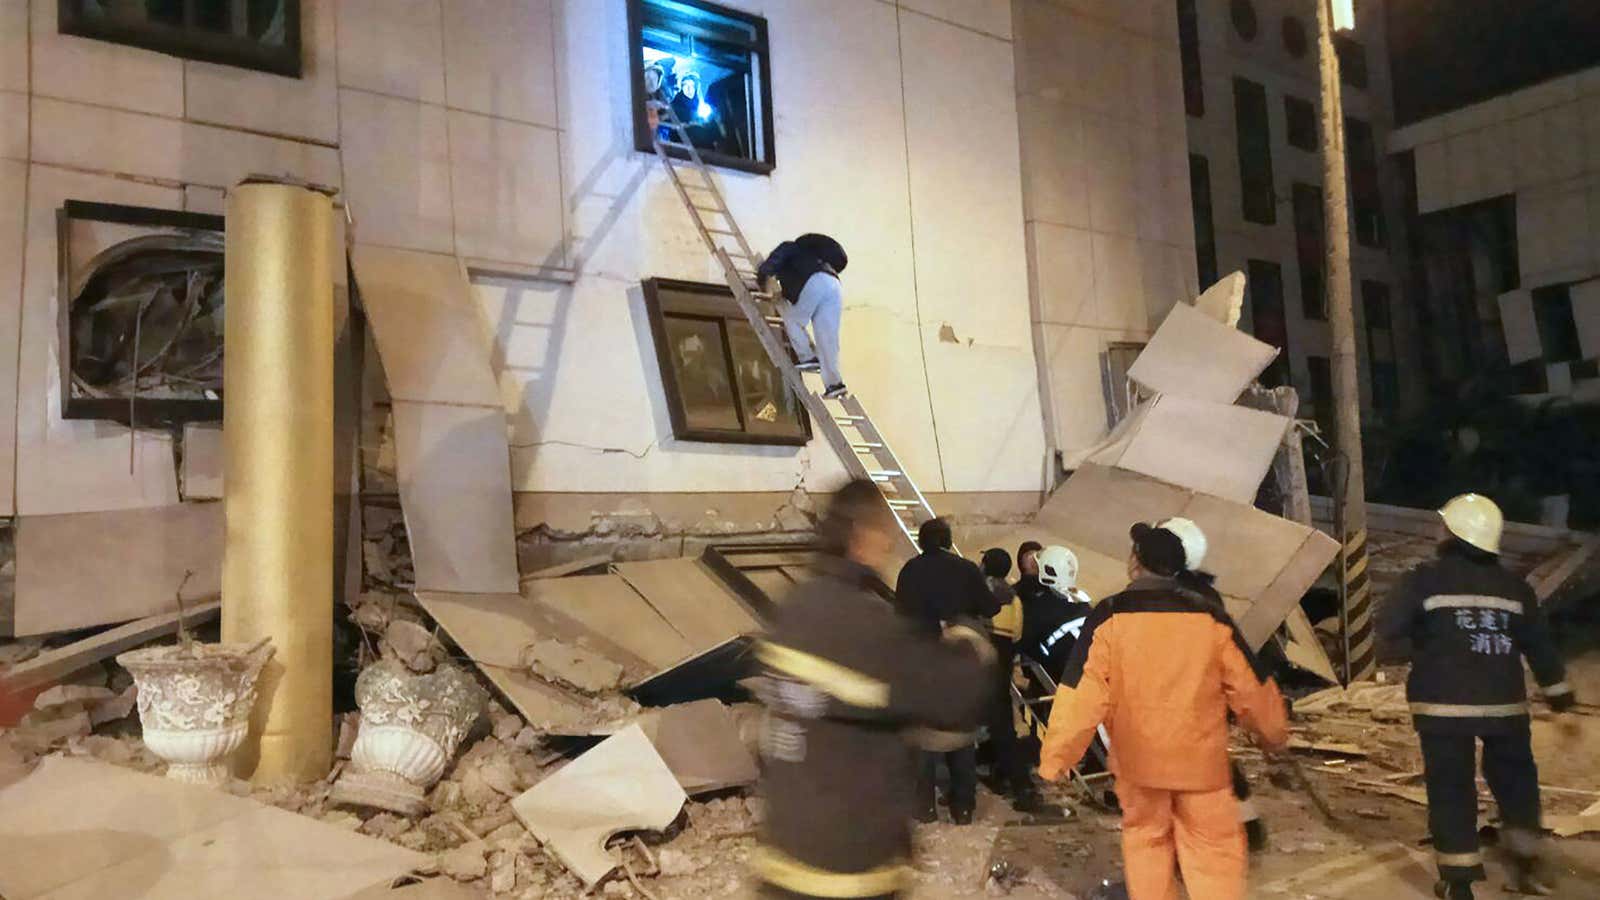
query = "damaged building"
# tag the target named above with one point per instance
(571, 483)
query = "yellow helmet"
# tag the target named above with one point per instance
(1475, 519)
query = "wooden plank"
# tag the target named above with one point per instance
(607, 605)
(63, 661)
(1545, 584)
(696, 604)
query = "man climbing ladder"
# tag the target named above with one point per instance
(807, 269)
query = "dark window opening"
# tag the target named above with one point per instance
(1309, 250)
(707, 67)
(1531, 377)
(1268, 322)
(250, 34)
(141, 335)
(1295, 39)
(1255, 151)
(1381, 360)
(720, 385)
(1366, 191)
(1194, 88)
(1352, 60)
(1321, 373)
(1303, 126)
(1558, 331)
(1205, 232)
(1122, 394)
(1243, 13)
(1465, 258)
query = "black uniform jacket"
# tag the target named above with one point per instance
(847, 679)
(1470, 622)
(940, 586)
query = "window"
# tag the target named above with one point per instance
(1205, 232)
(1352, 60)
(1294, 37)
(720, 384)
(1301, 116)
(709, 66)
(1380, 345)
(1558, 330)
(1255, 151)
(1194, 88)
(1267, 320)
(1243, 13)
(1309, 250)
(155, 274)
(1321, 373)
(1465, 259)
(1366, 191)
(1121, 393)
(250, 34)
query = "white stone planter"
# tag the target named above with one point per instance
(194, 704)
(411, 726)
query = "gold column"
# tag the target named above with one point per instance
(277, 572)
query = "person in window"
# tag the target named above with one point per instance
(936, 588)
(845, 680)
(694, 112)
(1469, 622)
(807, 269)
(655, 97)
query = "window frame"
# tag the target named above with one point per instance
(1310, 235)
(1296, 38)
(189, 43)
(1256, 208)
(1203, 207)
(762, 49)
(681, 429)
(1294, 110)
(1241, 12)
(151, 412)
(1260, 273)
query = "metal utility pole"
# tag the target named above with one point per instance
(1359, 645)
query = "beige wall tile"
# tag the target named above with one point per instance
(106, 140)
(397, 171)
(1561, 127)
(1118, 283)
(13, 189)
(505, 182)
(988, 16)
(1055, 169)
(211, 201)
(112, 75)
(305, 107)
(13, 45)
(13, 125)
(500, 58)
(1435, 177)
(74, 466)
(392, 47)
(1047, 51)
(1113, 190)
(1062, 264)
(989, 391)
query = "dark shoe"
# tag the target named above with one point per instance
(927, 816)
(1255, 832)
(1031, 804)
(809, 365)
(1453, 890)
(961, 816)
(836, 392)
(1528, 878)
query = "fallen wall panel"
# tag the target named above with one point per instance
(691, 599)
(1214, 448)
(84, 569)
(1194, 355)
(607, 605)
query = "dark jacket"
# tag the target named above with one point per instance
(794, 262)
(1470, 622)
(1047, 620)
(937, 587)
(846, 678)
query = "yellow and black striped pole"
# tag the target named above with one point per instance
(1360, 639)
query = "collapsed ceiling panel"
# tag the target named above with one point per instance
(1219, 449)
(607, 605)
(691, 599)
(1194, 355)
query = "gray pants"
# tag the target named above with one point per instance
(820, 304)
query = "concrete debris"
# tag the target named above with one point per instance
(118, 706)
(63, 694)
(572, 666)
(465, 862)
(42, 729)
(413, 645)
(18, 651)
(349, 730)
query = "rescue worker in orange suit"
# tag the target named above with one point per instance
(1167, 714)
(849, 685)
(1469, 623)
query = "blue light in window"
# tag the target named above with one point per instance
(704, 110)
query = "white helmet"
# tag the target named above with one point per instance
(1058, 569)
(1192, 538)
(1475, 519)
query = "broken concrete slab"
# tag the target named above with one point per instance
(82, 829)
(201, 475)
(431, 889)
(572, 666)
(585, 565)
(620, 785)
(1194, 355)
(1218, 449)
(1520, 327)
(700, 743)
(84, 569)
(64, 660)
(607, 605)
(413, 645)
(455, 491)
(692, 600)
(1224, 301)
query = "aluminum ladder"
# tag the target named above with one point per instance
(849, 429)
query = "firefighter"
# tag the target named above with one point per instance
(1013, 774)
(1167, 713)
(1469, 623)
(848, 683)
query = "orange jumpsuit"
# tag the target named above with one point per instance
(1161, 664)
